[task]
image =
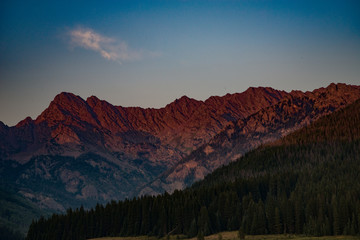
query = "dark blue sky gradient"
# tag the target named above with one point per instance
(194, 48)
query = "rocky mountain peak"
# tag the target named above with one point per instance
(93, 101)
(183, 108)
(26, 122)
(185, 101)
(64, 97)
(68, 109)
(184, 98)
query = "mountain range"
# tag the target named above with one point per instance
(80, 152)
(306, 183)
(292, 112)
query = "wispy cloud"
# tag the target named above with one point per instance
(108, 48)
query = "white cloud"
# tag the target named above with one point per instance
(108, 48)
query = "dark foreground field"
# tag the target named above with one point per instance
(234, 236)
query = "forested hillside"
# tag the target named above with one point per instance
(16, 214)
(307, 183)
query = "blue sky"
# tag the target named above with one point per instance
(148, 53)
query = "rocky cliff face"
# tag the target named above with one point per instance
(268, 124)
(72, 126)
(85, 151)
(93, 151)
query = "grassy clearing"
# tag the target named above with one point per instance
(234, 236)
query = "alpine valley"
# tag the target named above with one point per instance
(82, 152)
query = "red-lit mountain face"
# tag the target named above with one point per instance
(72, 126)
(94, 151)
(268, 124)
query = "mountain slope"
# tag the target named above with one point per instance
(184, 124)
(338, 130)
(270, 123)
(88, 151)
(17, 212)
(305, 183)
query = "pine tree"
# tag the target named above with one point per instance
(193, 229)
(241, 233)
(278, 225)
(204, 221)
(299, 215)
(200, 235)
(336, 218)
